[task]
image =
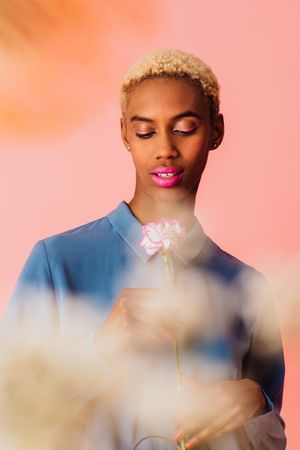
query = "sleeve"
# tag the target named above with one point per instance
(32, 308)
(264, 363)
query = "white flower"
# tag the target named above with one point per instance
(161, 235)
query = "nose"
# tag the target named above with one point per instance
(166, 148)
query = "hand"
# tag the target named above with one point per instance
(139, 317)
(213, 409)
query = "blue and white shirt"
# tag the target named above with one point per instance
(95, 261)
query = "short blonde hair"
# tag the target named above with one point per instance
(173, 63)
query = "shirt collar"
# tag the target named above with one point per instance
(130, 229)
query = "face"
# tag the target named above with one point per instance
(168, 129)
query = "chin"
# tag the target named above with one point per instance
(173, 195)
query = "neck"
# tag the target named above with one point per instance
(152, 210)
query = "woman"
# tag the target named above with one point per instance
(170, 122)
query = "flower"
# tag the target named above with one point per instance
(161, 235)
(45, 396)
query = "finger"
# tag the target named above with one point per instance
(201, 411)
(219, 413)
(144, 334)
(217, 427)
(138, 317)
(131, 296)
(227, 402)
(192, 382)
(152, 307)
(148, 296)
(149, 310)
(140, 292)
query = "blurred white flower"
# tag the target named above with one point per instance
(48, 393)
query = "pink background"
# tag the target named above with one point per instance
(62, 161)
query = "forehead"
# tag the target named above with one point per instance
(165, 96)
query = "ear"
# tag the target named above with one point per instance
(124, 133)
(217, 132)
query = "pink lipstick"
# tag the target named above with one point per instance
(166, 177)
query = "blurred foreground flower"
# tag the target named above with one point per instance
(51, 390)
(285, 286)
(46, 395)
(61, 393)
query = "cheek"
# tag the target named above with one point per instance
(139, 161)
(197, 161)
(197, 153)
(197, 144)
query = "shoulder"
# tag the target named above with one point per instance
(72, 249)
(79, 239)
(60, 244)
(85, 231)
(224, 265)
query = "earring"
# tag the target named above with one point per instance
(215, 145)
(128, 146)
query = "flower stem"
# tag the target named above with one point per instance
(170, 278)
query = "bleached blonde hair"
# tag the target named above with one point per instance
(173, 63)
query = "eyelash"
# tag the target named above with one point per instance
(181, 133)
(145, 135)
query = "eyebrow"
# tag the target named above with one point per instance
(138, 118)
(187, 114)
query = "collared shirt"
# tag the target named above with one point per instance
(97, 260)
(124, 223)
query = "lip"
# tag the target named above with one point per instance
(167, 182)
(167, 169)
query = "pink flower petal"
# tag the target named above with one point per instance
(161, 234)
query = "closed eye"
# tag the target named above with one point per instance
(144, 135)
(186, 132)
